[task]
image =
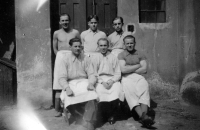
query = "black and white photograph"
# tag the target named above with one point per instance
(99, 65)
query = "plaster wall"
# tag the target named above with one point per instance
(189, 50)
(189, 29)
(33, 51)
(158, 41)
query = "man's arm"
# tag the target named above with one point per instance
(129, 68)
(104, 35)
(62, 77)
(55, 43)
(117, 71)
(82, 39)
(78, 34)
(143, 68)
(110, 44)
(92, 76)
(117, 74)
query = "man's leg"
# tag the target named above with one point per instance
(57, 104)
(141, 110)
(138, 110)
(75, 113)
(144, 108)
(104, 109)
(90, 114)
(114, 111)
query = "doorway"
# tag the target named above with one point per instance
(79, 10)
(7, 29)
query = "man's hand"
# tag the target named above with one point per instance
(106, 85)
(90, 87)
(69, 92)
(110, 83)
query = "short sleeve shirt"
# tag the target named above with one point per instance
(90, 38)
(116, 40)
(131, 58)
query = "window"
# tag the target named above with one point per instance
(152, 11)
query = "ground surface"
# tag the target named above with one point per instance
(169, 115)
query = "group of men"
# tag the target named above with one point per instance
(93, 73)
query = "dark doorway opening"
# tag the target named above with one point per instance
(7, 28)
(54, 23)
(8, 79)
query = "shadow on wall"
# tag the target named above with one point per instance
(190, 88)
(160, 89)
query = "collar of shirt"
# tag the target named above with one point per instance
(133, 53)
(119, 33)
(80, 57)
(93, 31)
(108, 52)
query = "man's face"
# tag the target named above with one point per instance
(129, 44)
(76, 48)
(64, 21)
(93, 24)
(117, 25)
(103, 47)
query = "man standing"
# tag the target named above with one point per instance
(136, 89)
(116, 38)
(108, 88)
(90, 37)
(62, 36)
(77, 80)
(61, 47)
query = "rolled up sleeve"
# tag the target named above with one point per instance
(62, 76)
(92, 75)
(117, 71)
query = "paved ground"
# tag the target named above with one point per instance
(169, 115)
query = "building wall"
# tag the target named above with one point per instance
(34, 73)
(189, 47)
(157, 40)
(189, 50)
(171, 48)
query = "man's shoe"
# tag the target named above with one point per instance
(58, 114)
(49, 108)
(146, 121)
(65, 115)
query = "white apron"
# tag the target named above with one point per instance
(115, 92)
(81, 94)
(136, 90)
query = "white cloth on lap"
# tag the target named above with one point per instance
(115, 92)
(136, 90)
(80, 91)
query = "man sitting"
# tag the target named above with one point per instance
(77, 80)
(136, 89)
(108, 88)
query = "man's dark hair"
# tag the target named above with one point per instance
(103, 39)
(129, 37)
(74, 40)
(65, 14)
(118, 17)
(93, 16)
